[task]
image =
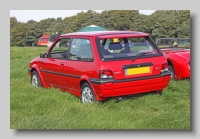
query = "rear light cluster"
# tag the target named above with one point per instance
(164, 67)
(105, 74)
(188, 63)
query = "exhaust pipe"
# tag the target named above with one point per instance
(118, 99)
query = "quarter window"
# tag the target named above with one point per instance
(81, 50)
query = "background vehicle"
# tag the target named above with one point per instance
(178, 58)
(43, 41)
(97, 65)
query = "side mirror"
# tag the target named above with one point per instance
(43, 55)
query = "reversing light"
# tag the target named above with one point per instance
(105, 74)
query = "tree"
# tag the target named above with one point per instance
(169, 23)
(119, 19)
(13, 22)
(33, 32)
(68, 24)
(58, 27)
(18, 35)
(162, 23)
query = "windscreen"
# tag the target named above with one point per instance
(43, 39)
(173, 43)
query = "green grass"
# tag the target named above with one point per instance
(38, 108)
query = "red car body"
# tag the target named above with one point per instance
(91, 74)
(43, 41)
(178, 58)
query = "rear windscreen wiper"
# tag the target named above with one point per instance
(140, 54)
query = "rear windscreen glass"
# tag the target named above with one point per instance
(120, 48)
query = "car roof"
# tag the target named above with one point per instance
(98, 33)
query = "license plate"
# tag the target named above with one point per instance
(137, 70)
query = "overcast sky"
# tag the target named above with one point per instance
(37, 15)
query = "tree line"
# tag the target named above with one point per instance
(160, 24)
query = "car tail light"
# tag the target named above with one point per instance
(105, 74)
(188, 63)
(164, 67)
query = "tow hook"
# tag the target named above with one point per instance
(118, 99)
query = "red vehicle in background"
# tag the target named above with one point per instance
(43, 41)
(177, 53)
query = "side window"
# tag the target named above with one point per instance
(81, 50)
(60, 48)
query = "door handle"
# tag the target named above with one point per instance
(62, 63)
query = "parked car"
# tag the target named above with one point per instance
(177, 53)
(83, 66)
(43, 41)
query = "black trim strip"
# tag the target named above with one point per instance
(166, 73)
(62, 74)
(137, 65)
(102, 81)
(29, 69)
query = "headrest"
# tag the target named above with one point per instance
(115, 46)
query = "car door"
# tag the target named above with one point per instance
(79, 63)
(53, 66)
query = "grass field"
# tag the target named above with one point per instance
(37, 108)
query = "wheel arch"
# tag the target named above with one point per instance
(85, 79)
(169, 62)
(36, 68)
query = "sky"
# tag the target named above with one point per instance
(38, 15)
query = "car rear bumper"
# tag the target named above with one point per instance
(111, 88)
(29, 69)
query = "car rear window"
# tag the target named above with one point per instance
(117, 48)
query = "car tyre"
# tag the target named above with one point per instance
(171, 69)
(87, 94)
(35, 79)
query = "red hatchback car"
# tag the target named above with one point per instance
(101, 64)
